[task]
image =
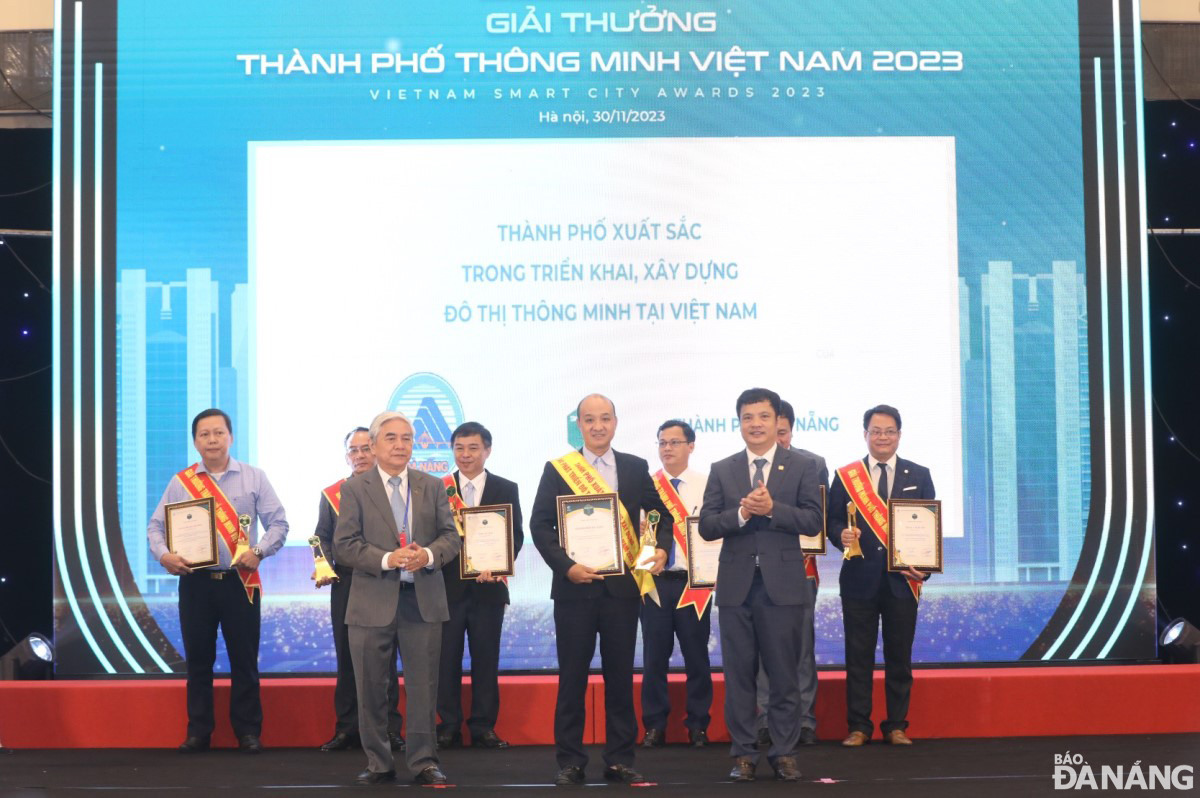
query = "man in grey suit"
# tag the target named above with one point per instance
(759, 501)
(396, 531)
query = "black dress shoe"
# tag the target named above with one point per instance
(340, 742)
(763, 739)
(396, 741)
(430, 775)
(193, 745)
(786, 768)
(488, 739)
(697, 738)
(808, 736)
(623, 774)
(371, 777)
(655, 738)
(445, 741)
(568, 776)
(743, 770)
(250, 744)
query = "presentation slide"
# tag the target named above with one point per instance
(471, 211)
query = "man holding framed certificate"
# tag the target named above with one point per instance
(589, 502)
(488, 510)
(227, 594)
(870, 592)
(681, 612)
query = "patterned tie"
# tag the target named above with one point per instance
(671, 559)
(758, 472)
(399, 511)
(469, 494)
(882, 490)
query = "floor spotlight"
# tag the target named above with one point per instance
(32, 658)
(1180, 643)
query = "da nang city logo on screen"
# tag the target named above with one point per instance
(435, 411)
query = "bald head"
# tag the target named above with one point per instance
(597, 420)
(612, 408)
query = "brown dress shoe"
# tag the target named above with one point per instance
(897, 737)
(856, 739)
(743, 769)
(786, 768)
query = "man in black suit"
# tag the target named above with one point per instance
(588, 604)
(759, 501)
(869, 591)
(345, 693)
(476, 604)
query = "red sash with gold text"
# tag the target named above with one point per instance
(333, 495)
(691, 597)
(873, 509)
(457, 505)
(200, 485)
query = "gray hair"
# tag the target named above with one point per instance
(383, 418)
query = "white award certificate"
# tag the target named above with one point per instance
(703, 556)
(487, 541)
(589, 529)
(915, 535)
(192, 531)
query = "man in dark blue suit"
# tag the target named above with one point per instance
(588, 605)
(869, 591)
(759, 501)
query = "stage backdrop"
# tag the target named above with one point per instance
(467, 210)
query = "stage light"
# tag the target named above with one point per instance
(1180, 643)
(32, 658)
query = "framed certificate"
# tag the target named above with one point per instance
(703, 556)
(915, 535)
(815, 544)
(192, 531)
(487, 541)
(589, 530)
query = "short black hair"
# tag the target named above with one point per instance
(469, 428)
(752, 396)
(352, 433)
(689, 434)
(209, 413)
(786, 411)
(886, 410)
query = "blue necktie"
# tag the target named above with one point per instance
(758, 472)
(399, 512)
(882, 490)
(671, 559)
(469, 494)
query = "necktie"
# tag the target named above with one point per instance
(882, 490)
(758, 472)
(469, 494)
(399, 512)
(671, 559)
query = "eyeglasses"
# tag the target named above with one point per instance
(875, 432)
(671, 444)
(358, 450)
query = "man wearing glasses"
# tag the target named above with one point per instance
(345, 693)
(681, 612)
(869, 591)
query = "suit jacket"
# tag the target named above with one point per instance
(366, 532)
(496, 490)
(635, 490)
(859, 578)
(794, 487)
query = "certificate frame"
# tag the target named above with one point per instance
(819, 543)
(206, 505)
(895, 510)
(692, 529)
(607, 501)
(506, 510)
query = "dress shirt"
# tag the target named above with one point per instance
(250, 492)
(891, 471)
(691, 493)
(479, 481)
(405, 576)
(605, 464)
(769, 454)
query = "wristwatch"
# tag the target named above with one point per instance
(257, 552)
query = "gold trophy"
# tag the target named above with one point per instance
(649, 538)
(322, 570)
(243, 539)
(853, 550)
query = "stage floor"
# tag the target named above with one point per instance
(950, 767)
